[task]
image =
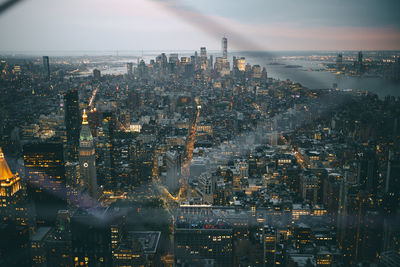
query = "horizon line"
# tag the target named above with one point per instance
(35, 52)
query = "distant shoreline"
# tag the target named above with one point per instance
(138, 53)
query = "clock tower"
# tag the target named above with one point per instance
(87, 159)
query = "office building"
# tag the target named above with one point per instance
(38, 246)
(87, 159)
(360, 63)
(46, 66)
(203, 58)
(241, 64)
(173, 170)
(199, 238)
(45, 178)
(10, 192)
(58, 241)
(96, 74)
(91, 238)
(339, 62)
(224, 44)
(106, 143)
(72, 123)
(129, 68)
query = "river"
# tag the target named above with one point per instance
(309, 73)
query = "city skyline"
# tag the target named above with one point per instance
(179, 133)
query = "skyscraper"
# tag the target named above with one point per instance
(58, 241)
(45, 175)
(173, 167)
(72, 123)
(142, 163)
(91, 238)
(224, 47)
(107, 149)
(87, 158)
(10, 191)
(339, 61)
(129, 68)
(360, 62)
(96, 74)
(203, 58)
(392, 184)
(197, 237)
(46, 66)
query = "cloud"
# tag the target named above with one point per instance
(286, 36)
(171, 25)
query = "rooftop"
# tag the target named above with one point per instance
(202, 223)
(40, 233)
(148, 240)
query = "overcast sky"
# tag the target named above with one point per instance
(75, 25)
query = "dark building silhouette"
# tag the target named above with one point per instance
(393, 175)
(96, 74)
(360, 64)
(142, 163)
(58, 242)
(339, 61)
(367, 172)
(72, 123)
(224, 45)
(108, 125)
(45, 176)
(129, 68)
(14, 245)
(91, 238)
(197, 239)
(46, 66)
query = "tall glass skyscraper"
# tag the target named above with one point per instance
(224, 47)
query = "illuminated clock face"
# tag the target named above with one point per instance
(85, 165)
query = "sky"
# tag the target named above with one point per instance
(134, 25)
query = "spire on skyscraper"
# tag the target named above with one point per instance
(85, 135)
(10, 185)
(5, 172)
(84, 117)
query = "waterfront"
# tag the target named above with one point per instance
(308, 72)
